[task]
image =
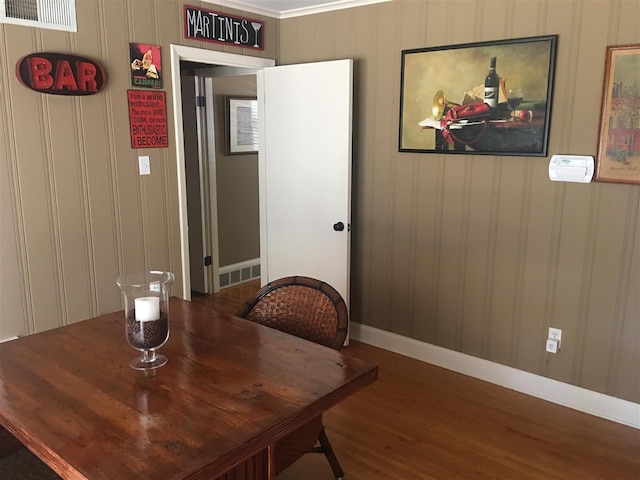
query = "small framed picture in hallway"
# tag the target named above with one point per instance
(241, 125)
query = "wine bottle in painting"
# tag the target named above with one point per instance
(492, 86)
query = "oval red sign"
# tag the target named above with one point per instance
(60, 74)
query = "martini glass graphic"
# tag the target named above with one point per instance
(256, 27)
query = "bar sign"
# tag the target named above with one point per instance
(210, 26)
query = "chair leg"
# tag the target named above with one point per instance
(331, 456)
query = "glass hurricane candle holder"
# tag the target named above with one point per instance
(146, 298)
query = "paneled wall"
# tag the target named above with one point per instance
(75, 212)
(481, 254)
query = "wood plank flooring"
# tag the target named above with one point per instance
(418, 421)
(230, 299)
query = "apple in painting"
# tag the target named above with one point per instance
(524, 115)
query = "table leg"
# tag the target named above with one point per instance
(271, 462)
(259, 467)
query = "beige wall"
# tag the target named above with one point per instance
(75, 212)
(474, 253)
(481, 254)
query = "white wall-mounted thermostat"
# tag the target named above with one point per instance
(571, 168)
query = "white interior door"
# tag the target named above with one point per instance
(305, 171)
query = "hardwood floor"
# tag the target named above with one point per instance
(230, 299)
(418, 421)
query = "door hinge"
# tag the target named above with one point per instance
(207, 260)
(200, 101)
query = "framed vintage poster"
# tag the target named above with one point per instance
(242, 125)
(618, 156)
(146, 65)
(488, 98)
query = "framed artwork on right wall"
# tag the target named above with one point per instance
(618, 155)
(483, 98)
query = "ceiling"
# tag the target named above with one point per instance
(291, 8)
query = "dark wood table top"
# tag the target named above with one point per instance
(231, 388)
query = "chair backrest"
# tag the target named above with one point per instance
(301, 306)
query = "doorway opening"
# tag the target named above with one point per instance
(304, 160)
(203, 60)
(222, 185)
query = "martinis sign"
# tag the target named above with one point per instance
(210, 26)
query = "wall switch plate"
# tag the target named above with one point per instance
(145, 166)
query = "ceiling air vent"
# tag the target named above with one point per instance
(54, 14)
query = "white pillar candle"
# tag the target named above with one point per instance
(147, 308)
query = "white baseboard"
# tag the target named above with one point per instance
(239, 273)
(588, 401)
(8, 339)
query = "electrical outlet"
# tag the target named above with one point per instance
(555, 334)
(554, 340)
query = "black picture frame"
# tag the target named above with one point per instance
(442, 107)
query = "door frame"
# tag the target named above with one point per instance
(200, 206)
(211, 57)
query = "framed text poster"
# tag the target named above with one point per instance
(148, 119)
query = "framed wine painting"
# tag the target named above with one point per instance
(485, 98)
(618, 156)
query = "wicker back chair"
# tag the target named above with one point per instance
(315, 311)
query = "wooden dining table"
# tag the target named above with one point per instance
(230, 390)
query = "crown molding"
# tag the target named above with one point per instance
(293, 12)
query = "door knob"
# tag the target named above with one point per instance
(338, 227)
